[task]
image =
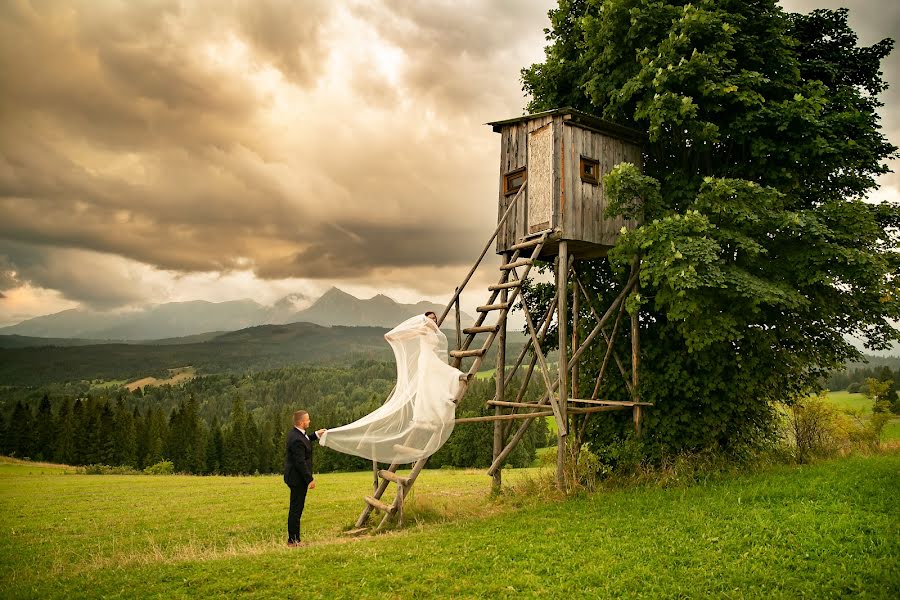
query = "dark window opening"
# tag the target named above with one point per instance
(513, 180)
(590, 170)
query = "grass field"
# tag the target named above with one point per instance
(822, 531)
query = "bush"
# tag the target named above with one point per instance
(161, 468)
(814, 429)
(583, 468)
(106, 470)
(855, 388)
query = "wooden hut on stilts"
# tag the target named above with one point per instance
(551, 206)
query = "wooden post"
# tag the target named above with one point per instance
(500, 378)
(562, 280)
(574, 386)
(458, 322)
(635, 356)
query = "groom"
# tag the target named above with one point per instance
(298, 471)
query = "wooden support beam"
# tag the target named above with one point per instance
(609, 402)
(562, 319)
(515, 404)
(609, 348)
(500, 382)
(517, 437)
(458, 326)
(510, 417)
(543, 363)
(635, 355)
(594, 409)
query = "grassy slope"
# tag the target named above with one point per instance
(822, 531)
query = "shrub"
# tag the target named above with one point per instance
(106, 470)
(855, 388)
(814, 429)
(161, 468)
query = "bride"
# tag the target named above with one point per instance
(418, 416)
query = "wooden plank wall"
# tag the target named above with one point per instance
(514, 155)
(585, 203)
(579, 206)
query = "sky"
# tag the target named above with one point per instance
(163, 151)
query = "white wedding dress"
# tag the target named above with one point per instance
(418, 416)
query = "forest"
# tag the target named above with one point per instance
(224, 423)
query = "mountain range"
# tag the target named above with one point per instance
(179, 319)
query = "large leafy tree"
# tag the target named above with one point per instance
(758, 252)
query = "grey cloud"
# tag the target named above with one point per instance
(97, 281)
(286, 34)
(462, 56)
(350, 250)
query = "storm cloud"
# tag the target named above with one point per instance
(142, 142)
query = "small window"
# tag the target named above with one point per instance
(590, 170)
(513, 180)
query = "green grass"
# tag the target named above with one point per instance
(847, 401)
(828, 530)
(487, 374)
(859, 403)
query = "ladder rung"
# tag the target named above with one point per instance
(481, 329)
(387, 508)
(490, 307)
(514, 265)
(466, 353)
(391, 476)
(505, 286)
(527, 244)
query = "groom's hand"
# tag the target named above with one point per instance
(320, 432)
(312, 485)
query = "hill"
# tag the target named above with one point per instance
(254, 348)
(180, 319)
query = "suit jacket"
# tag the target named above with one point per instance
(298, 458)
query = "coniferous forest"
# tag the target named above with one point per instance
(223, 424)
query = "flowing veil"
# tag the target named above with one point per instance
(418, 416)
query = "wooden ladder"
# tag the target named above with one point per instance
(512, 288)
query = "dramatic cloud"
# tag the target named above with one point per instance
(162, 150)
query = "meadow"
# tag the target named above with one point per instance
(820, 531)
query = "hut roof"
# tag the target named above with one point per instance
(581, 118)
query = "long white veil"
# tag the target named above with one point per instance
(418, 416)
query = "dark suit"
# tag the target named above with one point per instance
(297, 475)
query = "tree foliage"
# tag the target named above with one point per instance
(758, 253)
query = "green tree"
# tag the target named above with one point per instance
(64, 442)
(235, 451)
(44, 429)
(20, 434)
(124, 435)
(758, 253)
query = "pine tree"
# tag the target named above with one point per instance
(236, 459)
(64, 436)
(21, 431)
(125, 442)
(44, 427)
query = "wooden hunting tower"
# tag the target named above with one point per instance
(561, 157)
(551, 207)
